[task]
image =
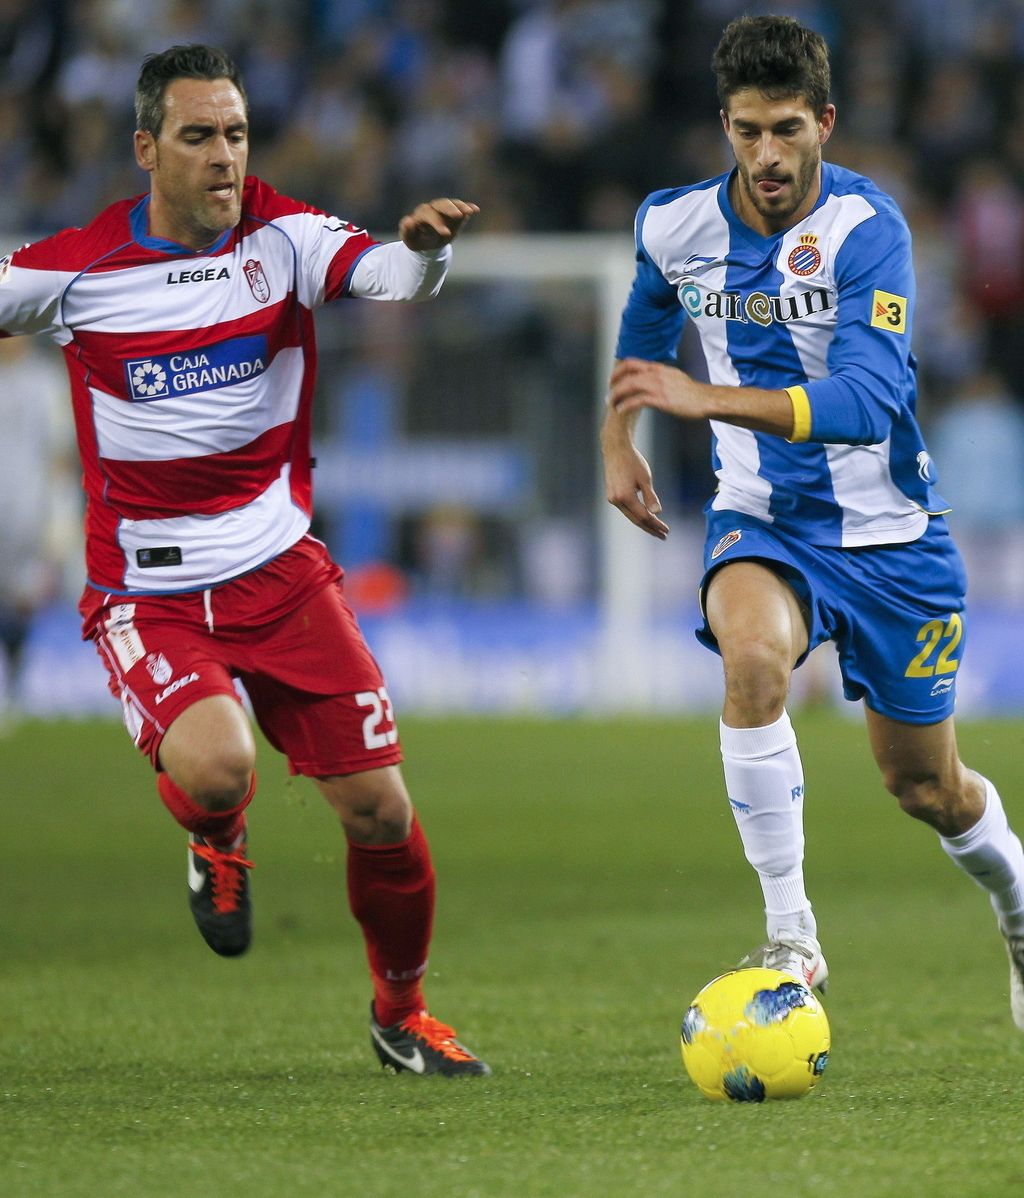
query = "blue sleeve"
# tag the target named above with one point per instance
(870, 366)
(652, 320)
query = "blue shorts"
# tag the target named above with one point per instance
(895, 612)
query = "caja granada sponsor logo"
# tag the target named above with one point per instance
(196, 370)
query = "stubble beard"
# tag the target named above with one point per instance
(208, 223)
(802, 185)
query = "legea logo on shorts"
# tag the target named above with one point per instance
(176, 685)
(196, 370)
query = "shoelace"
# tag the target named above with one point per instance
(225, 875)
(780, 950)
(438, 1036)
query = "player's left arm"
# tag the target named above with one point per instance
(869, 368)
(414, 267)
(435, 224)
(636, 384)
(645, 374)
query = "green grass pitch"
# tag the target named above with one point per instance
(590, 882)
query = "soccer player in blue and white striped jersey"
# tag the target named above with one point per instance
(825, 524)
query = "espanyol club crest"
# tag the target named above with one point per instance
(159, 668)
(728, 540)
(805, 258)
(257, 279)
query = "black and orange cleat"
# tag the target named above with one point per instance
(218, 884)
(424, 1045)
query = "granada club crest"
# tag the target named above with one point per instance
(159, 668)
(805, 258)
(257, 280)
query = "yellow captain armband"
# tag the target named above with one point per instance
(801, 414)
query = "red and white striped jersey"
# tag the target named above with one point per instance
(192, 376)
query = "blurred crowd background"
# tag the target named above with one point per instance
(557, 117)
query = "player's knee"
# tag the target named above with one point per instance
(374, 806)
(391, 820)
(209, 751)
(757, 676)
(394, 823)
(921, 796)
(222, 780)
(947, 807)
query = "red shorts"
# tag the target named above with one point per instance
(284, 631)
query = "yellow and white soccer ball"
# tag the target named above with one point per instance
(755, 1034)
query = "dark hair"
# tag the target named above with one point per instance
(775, 55)
(179, 62)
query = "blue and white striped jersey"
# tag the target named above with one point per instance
(825, 310)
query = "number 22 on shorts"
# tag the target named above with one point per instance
(379, 729)
(947, 633)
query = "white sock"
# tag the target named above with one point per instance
(992, 854)
(764, 780)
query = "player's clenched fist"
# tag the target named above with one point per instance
(435, 223)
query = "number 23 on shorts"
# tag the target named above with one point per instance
(939, 640)
(379, 729)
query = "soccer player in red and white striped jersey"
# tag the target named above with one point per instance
(186, 320)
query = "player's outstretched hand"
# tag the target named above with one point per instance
(435, 223)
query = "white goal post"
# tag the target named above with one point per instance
(606, 261)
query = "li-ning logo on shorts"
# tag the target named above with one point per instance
(805, 258)
(257, 280)
(728, 540)
(196, 370)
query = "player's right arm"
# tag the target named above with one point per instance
(651, 324)
(628, 482)
(32, 284)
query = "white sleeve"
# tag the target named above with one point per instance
(30, 298)
(391, 271)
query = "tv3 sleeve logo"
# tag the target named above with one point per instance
(889, 312)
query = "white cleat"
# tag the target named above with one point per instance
(800, 956)
(1015, 951)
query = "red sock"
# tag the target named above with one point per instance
(221, 827)
(391, 894)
